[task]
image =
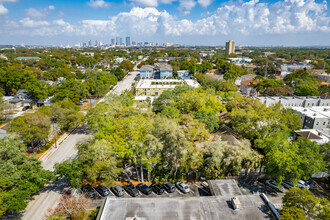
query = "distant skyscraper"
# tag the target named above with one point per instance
(133, 43)
(117, 41)
(230, 47)
(128, 41)
(113, 41)
(120, 41)
(89, 43)
(96, 43)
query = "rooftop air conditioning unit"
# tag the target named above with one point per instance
(236, 203)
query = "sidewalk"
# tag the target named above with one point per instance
(52, 149)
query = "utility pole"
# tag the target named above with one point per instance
(266, 69)
(195, 68)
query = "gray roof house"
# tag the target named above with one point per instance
(22, 97)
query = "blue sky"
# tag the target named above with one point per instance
(191, 22)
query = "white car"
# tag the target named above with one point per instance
(182, 187)
(303, 184)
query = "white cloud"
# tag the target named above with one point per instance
(98, 4)
(296, 17)
(27, 22)
(186, 5)
(34, 13)
(3, 10)
(39, 13)
(146, 3)
(205, 3)
(166, 1)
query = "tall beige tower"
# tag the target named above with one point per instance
(230, 47)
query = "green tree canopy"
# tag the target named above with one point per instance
(32, 127)
(72, 89)
(302, 204)
(21, 175)
(305, 90)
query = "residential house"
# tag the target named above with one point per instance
(320, 136)
(247, 87)
(295, 101)
(246, 77)
(22, 98)
(165, 70)
(146, 71)
(314, 118)
(212, 71)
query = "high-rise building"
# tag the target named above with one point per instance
(128, 41)
(230, 47)
(90, 43)
(133, 43)
(118, 41)
(113, 41)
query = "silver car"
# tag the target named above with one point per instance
(182, 187)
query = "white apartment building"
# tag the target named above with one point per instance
(314, 118)
(295, 101)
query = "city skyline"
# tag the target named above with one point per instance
(187, 22)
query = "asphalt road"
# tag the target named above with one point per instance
(50, 195)
(67, 149)
(126, 84)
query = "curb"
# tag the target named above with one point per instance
(52, 149)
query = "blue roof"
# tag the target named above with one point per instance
(27, 58)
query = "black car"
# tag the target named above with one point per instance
(144, 189)
(130, 189)
(117, 190)
(169, 187)
(25, 108)
(104, 191)
(88, 190)
(157, 188)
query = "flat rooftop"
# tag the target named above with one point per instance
(314, 112)
(165, 83)
(207, 207)
(278, 98)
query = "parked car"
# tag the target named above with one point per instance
(144, 189)
(273, 184)
(131, 189)
(31, 150)
(287, 184)
(157, 188)
(182, 187)
(303, 184)
(104, 191)
(169, 187)
(25, 108)
(117, 190)
(88, 190)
